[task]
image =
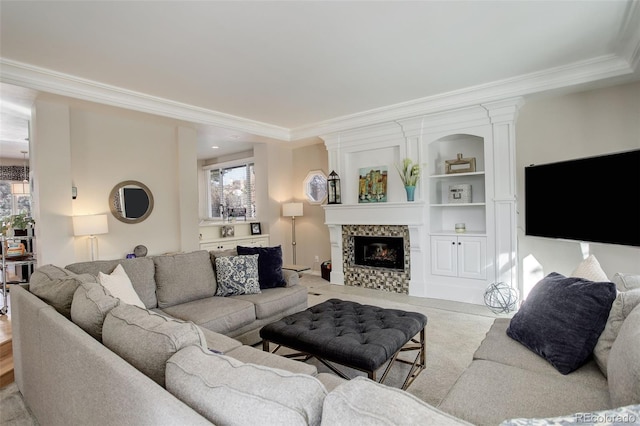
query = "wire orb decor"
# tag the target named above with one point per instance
(500, 298)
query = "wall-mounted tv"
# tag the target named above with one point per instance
(595, 199)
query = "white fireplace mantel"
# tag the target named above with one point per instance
(411, 213)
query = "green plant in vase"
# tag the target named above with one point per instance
(409, 173)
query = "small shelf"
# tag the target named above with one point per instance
(458, 205)
(462, 234)
(456, 175)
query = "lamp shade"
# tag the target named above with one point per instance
(292, 209)
(90, 225)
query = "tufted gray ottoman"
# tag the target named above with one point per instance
(359, 336)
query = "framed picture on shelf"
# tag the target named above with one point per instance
(227, 231)
(255, 228)
(372, 184)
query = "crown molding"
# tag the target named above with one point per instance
(575, 74)
(29, 76)
(628, 41)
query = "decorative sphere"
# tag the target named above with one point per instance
(501, 298)
(140, 251)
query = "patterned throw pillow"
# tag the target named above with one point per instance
(237, 275)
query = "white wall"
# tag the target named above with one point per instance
(102, 147)
(567, 127)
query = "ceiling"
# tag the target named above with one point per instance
(253, 71)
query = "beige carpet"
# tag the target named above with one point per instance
(454, 331)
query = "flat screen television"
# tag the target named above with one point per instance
(595, 199)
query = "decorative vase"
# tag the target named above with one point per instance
(410, 192)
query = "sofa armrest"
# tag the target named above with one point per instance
(291, 277)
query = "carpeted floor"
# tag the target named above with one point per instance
(454, 331)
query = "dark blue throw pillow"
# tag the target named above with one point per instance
(269, 265)
(562, 318)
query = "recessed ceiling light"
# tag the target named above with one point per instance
(215, 147)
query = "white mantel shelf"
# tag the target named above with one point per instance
(408, 213)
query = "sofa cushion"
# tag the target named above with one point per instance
(147, 340)
(488, 393)
(590, 269)
(272, 301)
(500, 348)
(617, 416)
(626, 282)
(219, 314)
(184, 277)
(91, 304)
(56, 286)
(227, 391)
(562, 319)
(623, 367)
(362, 401)
(141, 272)
(250, 355)
(625, 302)
(119, 285)
(237, 275)
(269, 265)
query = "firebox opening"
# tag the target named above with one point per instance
(379, 252)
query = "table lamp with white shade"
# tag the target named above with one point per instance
(91, 225)
(292, 210)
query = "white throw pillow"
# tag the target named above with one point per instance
(590, 269)
(119, 285)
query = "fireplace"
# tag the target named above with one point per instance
(379, 252)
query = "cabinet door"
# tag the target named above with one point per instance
(444, 254)
(472, 257)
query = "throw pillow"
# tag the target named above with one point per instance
(590, 269)
(56, 286)
(147, 340)
(269, 265)
(623, 374)
(119, 285)
(626, 282)
(562, 319)
(91, 304)
(237, 275)
(621, 308)
(229, 392)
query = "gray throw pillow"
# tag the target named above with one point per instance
(623, 367)
(91, 304)
(184, 277)
(229, 392)
(625, 302)
(237, 275)
(562, 318)
(56, 286)
(147, 340)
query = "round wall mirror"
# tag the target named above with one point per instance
(131, 201)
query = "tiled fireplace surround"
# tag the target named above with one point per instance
(392, 280)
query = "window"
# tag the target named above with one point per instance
(231, 191)
(15, 199)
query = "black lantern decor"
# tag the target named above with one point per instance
(333, 188)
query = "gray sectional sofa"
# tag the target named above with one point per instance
(117, 364)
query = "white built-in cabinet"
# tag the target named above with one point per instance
(211, 236)
(444, 264)
(464, 257)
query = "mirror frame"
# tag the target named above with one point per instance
(112, 204)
